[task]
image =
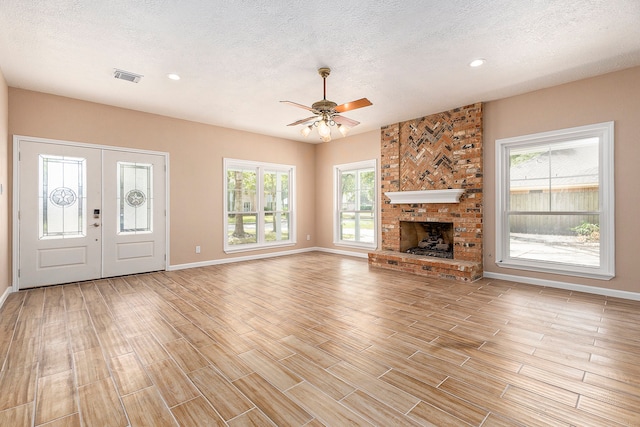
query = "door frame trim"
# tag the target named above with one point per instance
(15, 238)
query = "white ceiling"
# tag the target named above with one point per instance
(238, 59)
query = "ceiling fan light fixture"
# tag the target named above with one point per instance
(327, 113)
(306, 130)
(323, 129)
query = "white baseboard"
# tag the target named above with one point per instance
(343, 252)
(5, 295)
(238, 259)
(263, 256)
(564, 285)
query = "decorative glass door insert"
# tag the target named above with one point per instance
(134, 197)
(62, 198)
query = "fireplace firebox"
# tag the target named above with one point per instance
(432, 239)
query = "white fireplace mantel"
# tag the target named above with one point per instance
(425, 196)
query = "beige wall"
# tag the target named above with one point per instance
(5, 240)
(196, 154)
(365, 146)
(611, 97)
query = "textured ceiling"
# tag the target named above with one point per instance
(238, 59)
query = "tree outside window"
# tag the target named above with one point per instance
(258, 205)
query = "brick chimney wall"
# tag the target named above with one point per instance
(437, 152)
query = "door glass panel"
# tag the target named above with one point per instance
(62, 197)
(135, 197)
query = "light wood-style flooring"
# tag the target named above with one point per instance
(316, 339)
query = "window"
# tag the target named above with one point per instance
(356, 202)
(555, 202)
(258, 205)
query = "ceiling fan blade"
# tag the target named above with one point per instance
(345, 121)
(299, 122)
(295, 104)
(348, 106)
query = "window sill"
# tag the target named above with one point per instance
(257, 247)
(565, 270)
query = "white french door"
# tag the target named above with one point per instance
(86, 213)
(133, 216)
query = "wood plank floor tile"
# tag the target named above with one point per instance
(90, 366)
(346, 343)
(226, 361)
(309, 351)
(269, 369)
(445, 402)
(17, 415)
(357, 359)
(146, 408)
(553, 409)
(376, 412)
(268, 346)
(317, 376)
(55, 356)
(54, 310)
(194, 335)
(100, 405)
(83, 338)
(611, 384)
(423, 372)
(426, 413)
(253, 418)
(609, 411)
(171, 382)
(148, 349)
(128, 374)
(226, 399)
(56, 397)
(73, 299)
(22, 384)
(326, 409)
(22, 354)
(197, 412)
(113, 343)
(185, 355)
(500, 408)
(162, 331)
(272, 402)
(381, 390)
(72, 420)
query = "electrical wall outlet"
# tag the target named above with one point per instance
(197, 249)
(308, 236)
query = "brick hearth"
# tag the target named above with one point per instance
(436, 152)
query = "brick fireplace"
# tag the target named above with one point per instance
(438, 152)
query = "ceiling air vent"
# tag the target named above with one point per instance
(126, 75)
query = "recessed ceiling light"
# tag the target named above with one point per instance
(173, 76)
(477, 62)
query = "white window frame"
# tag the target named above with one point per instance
(261, 167)
(337, 171)
(605, 133)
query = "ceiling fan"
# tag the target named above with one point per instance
(327, 113)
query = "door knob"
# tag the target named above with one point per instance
(95, 224)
